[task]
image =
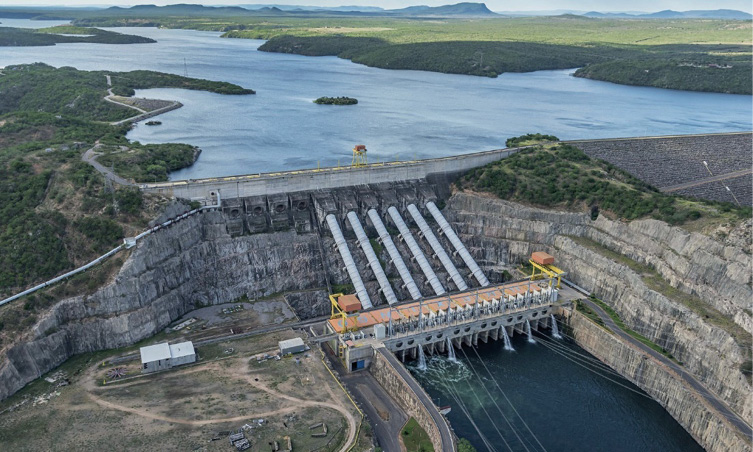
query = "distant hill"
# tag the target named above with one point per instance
(344, 8)
(457, 10)
(670, 14)
(460, 9)
(175, 10)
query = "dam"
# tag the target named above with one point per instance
(384, 237)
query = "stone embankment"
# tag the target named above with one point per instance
(499, 232)
(174, 271)
(412, 399)
(660, 383)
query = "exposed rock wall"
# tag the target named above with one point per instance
(661, 384)
(501, 232)
(193, 263)
(394, 384)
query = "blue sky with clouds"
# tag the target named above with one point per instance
(495, 5)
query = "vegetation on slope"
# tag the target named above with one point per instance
(125, 83)
(415, 438)
(529, 139)
(561, 175)
(23, 37)
(663, 53)
(56, 211)
(336, 101)
(69, 91)
(148, 163)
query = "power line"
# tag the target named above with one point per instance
(465, 411)
(503, 393)
(493, 400)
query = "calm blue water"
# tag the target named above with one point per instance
(567, 406)
(401, 114)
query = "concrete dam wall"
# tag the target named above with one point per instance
(325, 178)
(256, 246)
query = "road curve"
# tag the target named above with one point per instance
(90, 157)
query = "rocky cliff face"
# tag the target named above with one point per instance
(499, 232)
(712, 433)
(169, 273)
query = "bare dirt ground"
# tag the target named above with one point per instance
(194, 407)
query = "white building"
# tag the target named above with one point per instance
(164, 356)
(294, 345)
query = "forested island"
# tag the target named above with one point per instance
(336, 101)
(25, 37)
(57, 211)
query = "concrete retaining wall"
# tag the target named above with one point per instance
(398, 388)
(324, 178)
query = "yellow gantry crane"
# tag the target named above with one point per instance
(545, 264)
(359, 155)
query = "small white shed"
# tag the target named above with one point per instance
(164, 356)
(294, 345)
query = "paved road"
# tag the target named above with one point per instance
(708, 180)
(90, 157)
(724, 412)
(439, 420)
(372, 398)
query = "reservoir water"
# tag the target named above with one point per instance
(567, 400)
(400, 114)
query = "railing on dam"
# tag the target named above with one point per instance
(409, 318)
(324, 178)
(447, 316)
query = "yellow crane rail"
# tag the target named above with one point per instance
(549, 270)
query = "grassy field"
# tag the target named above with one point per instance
(414, 437)
(663, 53)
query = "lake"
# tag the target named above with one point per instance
(400, 114)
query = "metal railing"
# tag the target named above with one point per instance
(127, 243)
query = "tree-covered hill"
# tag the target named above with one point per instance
(562, 176)
(22, 37)
(57, 211)
(69, 91)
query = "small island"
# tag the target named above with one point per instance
(154, 123)
(336, 101)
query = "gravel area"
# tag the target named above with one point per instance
(665, 162)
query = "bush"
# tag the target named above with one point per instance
(465, 446)
(103, 232)
(537, 137)
(129, 200)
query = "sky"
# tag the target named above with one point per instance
(494, 5)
